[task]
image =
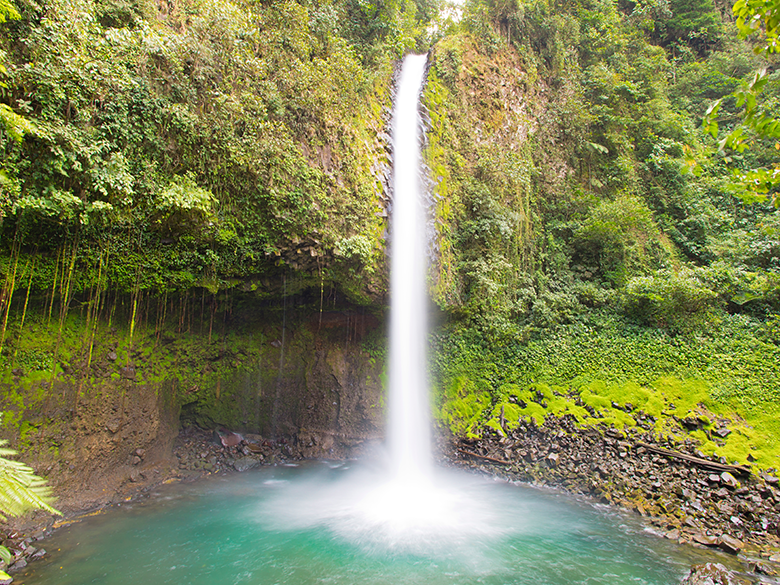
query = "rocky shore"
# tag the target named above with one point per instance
(686, 496)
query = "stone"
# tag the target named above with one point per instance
(135, 476)
(39, 554)
(18, 565)
(765, 569)
(112, 356)
(136, 460)
(705, 539)
(140, 453)
(770, 479)
(672, 534)
(245, 463)
(709, 574)
(114, 425)
(730, 544)
(729, 480)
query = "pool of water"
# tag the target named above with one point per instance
(346, 524)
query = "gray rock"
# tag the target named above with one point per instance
(17, 566)
(729, 480)
(705, 539)
(245, 463)
(730, 544)
(710, 574)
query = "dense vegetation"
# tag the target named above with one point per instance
(590, 248)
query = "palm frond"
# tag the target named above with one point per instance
(20, 489)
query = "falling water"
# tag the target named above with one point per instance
(409, 426)
(409, 524)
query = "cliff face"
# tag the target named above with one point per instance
(101, 423)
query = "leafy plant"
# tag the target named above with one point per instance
(20, 489)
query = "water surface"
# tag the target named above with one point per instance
(326, 523)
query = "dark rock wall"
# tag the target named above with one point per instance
(100, 429)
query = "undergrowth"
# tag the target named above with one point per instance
(609, 372)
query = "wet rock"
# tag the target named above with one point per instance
(245, 463)
(730, 544)
(705, 539)
(18, 565)
(710, 574)
(672, 534)
(729, 480)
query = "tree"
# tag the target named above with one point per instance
(759, 122)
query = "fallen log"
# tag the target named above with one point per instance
(493, 459)
(706, 463)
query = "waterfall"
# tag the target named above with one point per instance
(410, 505)
(409, 421)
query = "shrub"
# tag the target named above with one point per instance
(668, 299)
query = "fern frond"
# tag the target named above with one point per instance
(20, 489)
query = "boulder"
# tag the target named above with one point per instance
(729, 480)
(710, 574)
(245, 463)
(730, 544)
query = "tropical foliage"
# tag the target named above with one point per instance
(20, 489)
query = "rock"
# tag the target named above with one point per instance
(135, 476)
(140, 453)
(705, 539)
(114, 425)
(673, 534)
(39, 554)
(112, 356)
(136, 460)
(245, 463)
(765, 569)
(770, 479)
(730, 544)
(729, 480)
(18, 565)
(553, 458)
(230, 439)
(722, 432)
(709, 574)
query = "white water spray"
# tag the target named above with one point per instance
(409, 421)
(408, 507)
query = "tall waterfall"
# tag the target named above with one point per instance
(409, 424)
(411, 506)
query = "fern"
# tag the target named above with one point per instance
(20, 489)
